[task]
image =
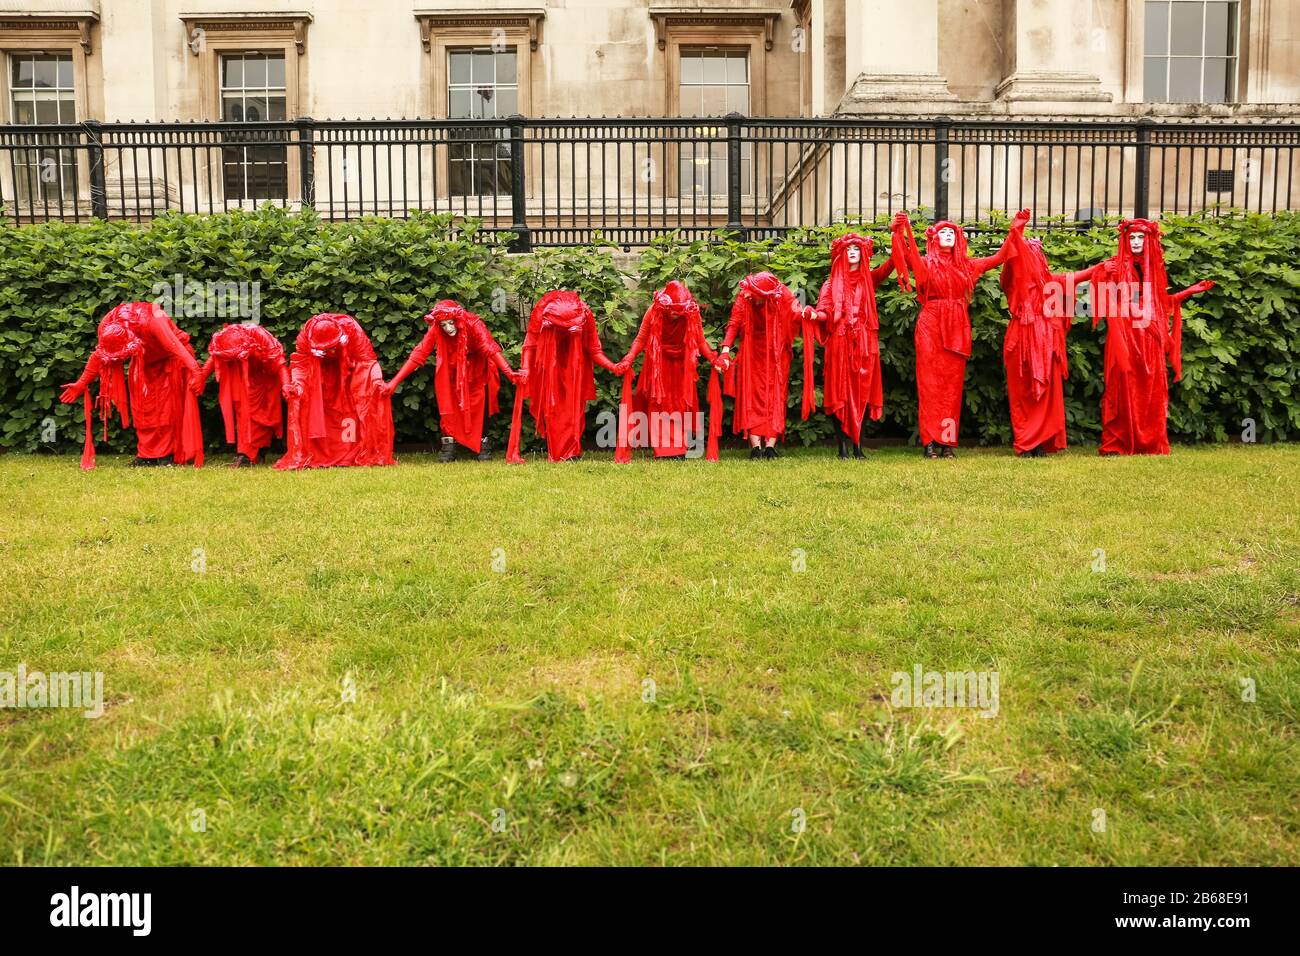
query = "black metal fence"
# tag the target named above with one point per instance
(567, 182)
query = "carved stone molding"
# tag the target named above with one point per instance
(665, 18)
(257, 24)
(531, 20)
(79, 22)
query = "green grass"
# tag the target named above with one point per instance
(524, 691)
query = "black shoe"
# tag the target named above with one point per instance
(139, 462)
(946, 451)
(756, 453)
(485, 452)
(770, 453)
(240, 461)
(844, 447)
(930, 451)
(857, 451)
(448, 452)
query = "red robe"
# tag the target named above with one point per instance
(340, 418)
(249, 387)
(849, 331)
(466, 377)
(166, 411)
(667, 391)
(560, 346)
(945, 281)
(759, 378)
(1132, 296)
(1033, 351)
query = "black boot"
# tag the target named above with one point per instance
(857, 451)
(756, 453)
(844, 447)
(770, 452)
(139, 462)
(240, 461)
(485, 452)
(946, 451)
(448, 452)
(929, 451)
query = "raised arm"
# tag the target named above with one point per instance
(879, 274)
(900, 243)
(1008, 249)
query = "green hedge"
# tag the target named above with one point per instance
(1240, 341)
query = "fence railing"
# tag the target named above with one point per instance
(566, 182)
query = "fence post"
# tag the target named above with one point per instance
(734, 223)
(942, 127)
(1142, 186)
(518, 200)
(306, 160)
(98, 189)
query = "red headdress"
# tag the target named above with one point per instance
(1025, 277)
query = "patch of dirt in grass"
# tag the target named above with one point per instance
(596, 675)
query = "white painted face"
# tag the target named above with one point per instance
(1137, 241)
(448, 326)
(854, 255)
(947, 237)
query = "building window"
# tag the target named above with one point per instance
(1191, 51)
(253, 90)
(482, 83)
(42, 93)
(712, 83)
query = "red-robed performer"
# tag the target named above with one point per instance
(466, 376)
(667, 393)
(252, 374)
(556, 376)
(338, 414)
(1130, 291)
(768, 318)
(945, 282)
(1034, 350)
(848, 328)
(162, 383)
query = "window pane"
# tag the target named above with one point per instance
(67, 111)
(24, 111)
(737, 68)
(460, 105)
(232, 109)
(1154, 79)
(277, 108)
(507, 102)
(1185, 38)
(275, 72)
(714, 101)
(1216, 79)
(483, 71)
(255, 72)
(47, 72)
(232, 72)
(692, 68)
(47, 111)
(1185, 80)
(1156, 34)
(256, 110)
(506, 67)
(1220, 29)
(482, 103)
(22, 72)
(738, 99)
(715, 68)
(459, 66)
(65, 72)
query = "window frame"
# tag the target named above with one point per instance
(1234, 56)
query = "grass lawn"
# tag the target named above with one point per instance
(649, 679)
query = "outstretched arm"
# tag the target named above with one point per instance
(594, 348)
(733, 329)
(1191, 290)
(419, 355)
(206, 371)
(702, 343)
(76, 389)
(882, 272)
(639, 342)
(162, 330)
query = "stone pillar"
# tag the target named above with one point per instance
(1052, 48)
(892, 53)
